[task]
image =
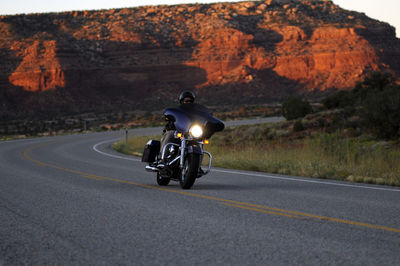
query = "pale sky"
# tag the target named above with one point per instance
(383, 10)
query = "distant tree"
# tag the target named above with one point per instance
(375, 81)
(341, 99)
(295, 107)
(381, 112)
(378, 101)
(379, 98)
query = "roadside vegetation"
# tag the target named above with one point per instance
(276, 148)
(353, 136)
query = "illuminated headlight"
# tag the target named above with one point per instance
(196, 131)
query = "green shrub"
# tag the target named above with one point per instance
(298, 126)
(376, 100)
(295, 107)
(373, 82)
(381, 112)
(341, 99)
(379, 98)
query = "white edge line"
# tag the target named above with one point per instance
(306, 181)
(112, 155)
(252, 174)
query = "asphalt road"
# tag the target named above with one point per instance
(72, 200)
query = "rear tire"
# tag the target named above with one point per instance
(190, 171)
(162, 181)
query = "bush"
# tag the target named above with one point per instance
(340, 100)
(375, 81)
(298, 126)
(381, 112)
(378, 101)
(379, 98)
(295, 107)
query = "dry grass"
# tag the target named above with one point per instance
(325, 156)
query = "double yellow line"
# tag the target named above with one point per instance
(227, 202)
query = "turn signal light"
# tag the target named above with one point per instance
(206, 141)
(179, 135)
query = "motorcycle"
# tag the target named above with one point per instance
(181, 160)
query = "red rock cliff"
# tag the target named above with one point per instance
(228, 52)
(40, 69)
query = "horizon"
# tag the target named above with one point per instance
(385, 10)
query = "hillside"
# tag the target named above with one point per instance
(228, 53)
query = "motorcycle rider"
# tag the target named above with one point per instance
(186, 97)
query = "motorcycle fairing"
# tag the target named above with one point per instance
(187, 115)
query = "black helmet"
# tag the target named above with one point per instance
(186, 94)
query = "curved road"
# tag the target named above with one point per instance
(73, 200)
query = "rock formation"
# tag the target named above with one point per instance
(230, 53)
(40, 69)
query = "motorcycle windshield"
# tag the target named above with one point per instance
(187, 115)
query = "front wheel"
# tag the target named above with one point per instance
(162, 181)
(190, 170)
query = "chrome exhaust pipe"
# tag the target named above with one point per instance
(151, 168)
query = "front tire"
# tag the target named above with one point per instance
(162, 181)
(190, 171)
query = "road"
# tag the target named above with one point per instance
(72, 200)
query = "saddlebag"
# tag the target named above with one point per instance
(151, 150)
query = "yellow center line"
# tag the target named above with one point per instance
(231, 203)
(262, 210)
(95, 177)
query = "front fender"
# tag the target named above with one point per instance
(195, 149)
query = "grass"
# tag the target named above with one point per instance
(134, 146)
(268, 148)
(324, 156)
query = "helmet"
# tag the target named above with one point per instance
(186, 94)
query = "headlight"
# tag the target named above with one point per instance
(196, 131)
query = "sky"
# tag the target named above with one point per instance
(383, 10)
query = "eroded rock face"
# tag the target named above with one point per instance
(332, 58)
(243, 52)
(40, 69)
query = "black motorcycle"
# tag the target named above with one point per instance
(181, 159)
